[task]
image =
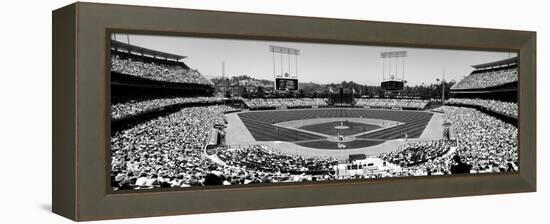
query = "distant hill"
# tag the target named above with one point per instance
(242, 80)
(263, 86)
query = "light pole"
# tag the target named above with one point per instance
(443, 88)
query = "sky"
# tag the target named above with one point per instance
(318, 62)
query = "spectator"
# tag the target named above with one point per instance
(459, 167)
(508, 108)
(484, 79)
(165, 150)
(289, 102)
(132, 107)
(393, 103)
(166, 71)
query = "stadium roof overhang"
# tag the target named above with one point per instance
(117, 45)
(500, 63)
(482, 91)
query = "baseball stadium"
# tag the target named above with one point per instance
(175, 127)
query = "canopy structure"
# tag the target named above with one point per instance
(117, 45)
(501, 63)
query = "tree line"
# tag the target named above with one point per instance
(249, 87)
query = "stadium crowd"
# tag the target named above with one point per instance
(485, 142)
(289, 102)
(484, 79)
(416, 153)
(166, 151)
(262, 158)
(507, 108)
(136, 106)
(167, 72)
(393, 103)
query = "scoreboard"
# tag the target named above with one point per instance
(392, 85)
(286, 84)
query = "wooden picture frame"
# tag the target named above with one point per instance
(81, 111)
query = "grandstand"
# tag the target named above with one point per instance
(292, 103)
(296, 103)
(159, 107)
(493, 80)
(484, 112)
(393, 103)
(147, 83)
(492, 88)
(138, 71)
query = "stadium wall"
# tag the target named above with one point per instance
(332, 106)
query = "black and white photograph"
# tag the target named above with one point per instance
(203, 111)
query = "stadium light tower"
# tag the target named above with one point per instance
(443, 88)
(288, 52)
(392, 79)
(285, 80)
